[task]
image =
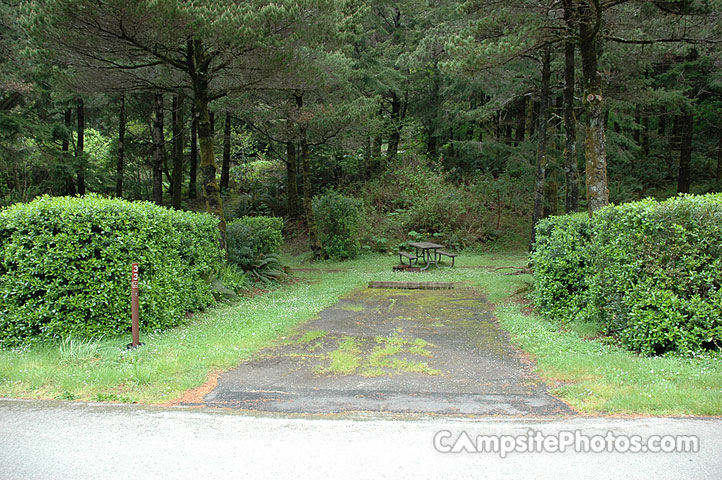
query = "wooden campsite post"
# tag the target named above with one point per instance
(134, 306)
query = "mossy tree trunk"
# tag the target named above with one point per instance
(571, 173)
(595, 144)
(199, 63)
(314, 242)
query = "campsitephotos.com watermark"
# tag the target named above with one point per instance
(535, 441)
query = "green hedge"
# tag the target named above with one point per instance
(338, 219)
(65, 266)
(562, 265)
(249, 238)
(654, 272)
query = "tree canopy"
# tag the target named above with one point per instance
(537, 100)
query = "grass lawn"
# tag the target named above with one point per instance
(589, 374)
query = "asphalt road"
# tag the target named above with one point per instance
(67, 440)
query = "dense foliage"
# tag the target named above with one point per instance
(65, 266)
(649, 272)
(563, 265)
(421, 197)
(339, 219)
(250, 238)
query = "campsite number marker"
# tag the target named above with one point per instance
(134, 308)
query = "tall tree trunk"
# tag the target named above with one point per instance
(595, 144)
(395, 135)
(571, 173)
(199, 64)
(178, 144)
(193, 174)
(80, 149)
(541, 160)
(308, 198)
(211, 190)
(551, 198)
(120, 167)
(69, 181)
(158, 148)
(226, 165)
(307, 189)
(292, 179)
(685, 153)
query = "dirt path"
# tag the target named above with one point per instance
(397, 351)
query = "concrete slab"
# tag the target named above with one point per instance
(411, 351)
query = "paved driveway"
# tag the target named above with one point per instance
(424, 351)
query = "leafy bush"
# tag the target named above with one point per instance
(65, 266)
(562, 261)
(338, 219)
(249, 238)
(653, 272)
(659, 272)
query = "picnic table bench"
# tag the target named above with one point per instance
(410, 256)
(452, 256)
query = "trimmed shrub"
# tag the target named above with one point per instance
(249, 238)
(649, 273)
(659, 272)
(562, 265)
(338, 219)
(65, 266)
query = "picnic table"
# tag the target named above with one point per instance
(428, 252)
